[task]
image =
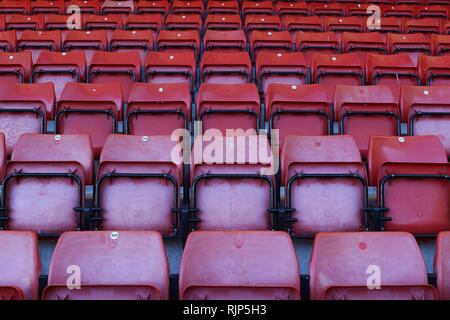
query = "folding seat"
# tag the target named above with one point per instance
(365, 111)
(110, 22)
(424, 25)
(411, 44)
(188, 7)
(168, 67)
(232, 183)
(24, 108)
(184, 22)
(140, 269)
(7, 41)
(19, 265)
(342, 24)
(223, 7)
(363, 43)
(426, 110)
(14, 7)
(87, 41)
(261, 265)
(38, 41)
(47, 7)
(56, 22)
(287, 67)
(228, 106)
(433, 11)
(123, 7)
(262, 23)
(283, 8)
(226, 67)
(325, 185)
(20, 22)
(411, 175)
(442, 266)
(86, 7)
(223, 22)
(327, 9)
(15, 67)
(368, 266)
(434, 71)
(401, 10)
(257, 7)
(59, 68)
(115, 67)
(298, 110)
(440, 45)
(358, 9)
(140, 41)
(275, 41)
(391, 70)
(138, 184)
(158, 109)
(390, 24)
(309, 43)
(176, 41)
(295, 24)
(224, 40)
(153, 22)
(86, 108)
(152, 6)
(44, 183)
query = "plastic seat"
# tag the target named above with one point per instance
(224, 40)
(401, 10)
(140, 271)
(445, 28)
(233, 169)
(137, 185)
(59, 68)
(188, 7)
(86, 7)
(390, 24)
(108, 23)
(325, 185)
(47, 7)
(365, 111)
(298, 110)
(140, 41)
(24, 108)
(287, 67)
(256, 7)
(411, 44)
(309, 43)
(152, 22)
(433, 11)
(424, 25)
(57, 22)
(117, 7)
(115, 67)
(152, 6)
(93, 109)
(87, 41)
(175, 41)
(275, 41)
(158, 109)
(440, 45)
(184, 22)
(364, 256)
(295, 24)
(327, 9)
(19, 265)
(15, 67)
(393, 70)
(59, 164)
(260, 266)
(363, 43)
(228, 106)
(427, 112)
(441, 265)
(345, 24)
(14, 7)
(226, 67)
(171, 67)
(223, 22)
(358, 9)
(411, 174)
(223, 7)
(38, 41)
(20, 22)
(283, 8)
(262, 23)
(434, 71)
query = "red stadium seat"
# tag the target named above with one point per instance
(109, 23)
(60, 165)
(298, 110)
(14, 7)
(393, 70)
(47, 7)
(275, 41)
(295, 24)
(223, 22)
(440, 45)
(342, 24)
(19, 265)
(158, 109)
(433, 11)
(326, 188)
(226, 67)
(117, 7)
(427, 112)
(224, 40)
(87, 41)
(152, 6)
(223, 7)
(25, 108)
(171, 67)
(366, 111)
(38, 41)
(424, 25)
(136, 183)
(358, 9)
(232, 170)
(176, 41)
(390, 24)
(434, 71)
(228, 106)
(93, 109)
(140, 271)
(411, 44)
(153, 22)
(312, 42)
(401, 10)
(411, 174)
(327, 9)
(283, 8)
(184, 22)
(15, 67)
(363, 43)
(59, 68)
(287, 67)
(57, 22)
(260, 266)
(140, 41)
(20, 22)
(345, 266)
(86, 7)
(262, 23)
(442, 265)
(257, 7)
(115, 67)
(188, 7)
(445, 28)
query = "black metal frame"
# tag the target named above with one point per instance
(226, 111)
(348, 114)
(73, 72)
(99, 111)
(69, 46)
(135, 113)
(129, 46)
(305, 112)
(417, 114)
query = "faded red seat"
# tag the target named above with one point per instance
(283, 8)
(176, 41)
(9, 7)
(38, 41)
(58, 22)
(117, 7)
(152, 22)
(390, 24)
(262, 23)
(152, 6)
(309, 43)
(15, 67)
(140, 271)
(8, 41)
(295, 24)
(440, 45)
(401, 10)
(224, 40)
(20, 22)
(345, 24)
(87, 41)
(223, 21)
(184, 22)
(349, 266)
(260, 266)
(363, 43)
(226, 67)
(275, 41)
(327, 9)
(410, 44)
(140, 41)
(47, 7)
(423, 25)
(108, 23)
(86, 7)
(392, 70)
(358, 9)
(442, 265)
(223, 7)
(188, 7)
(256, 7)
(434, 71)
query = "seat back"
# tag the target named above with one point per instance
(442, 265)
(15, 67)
